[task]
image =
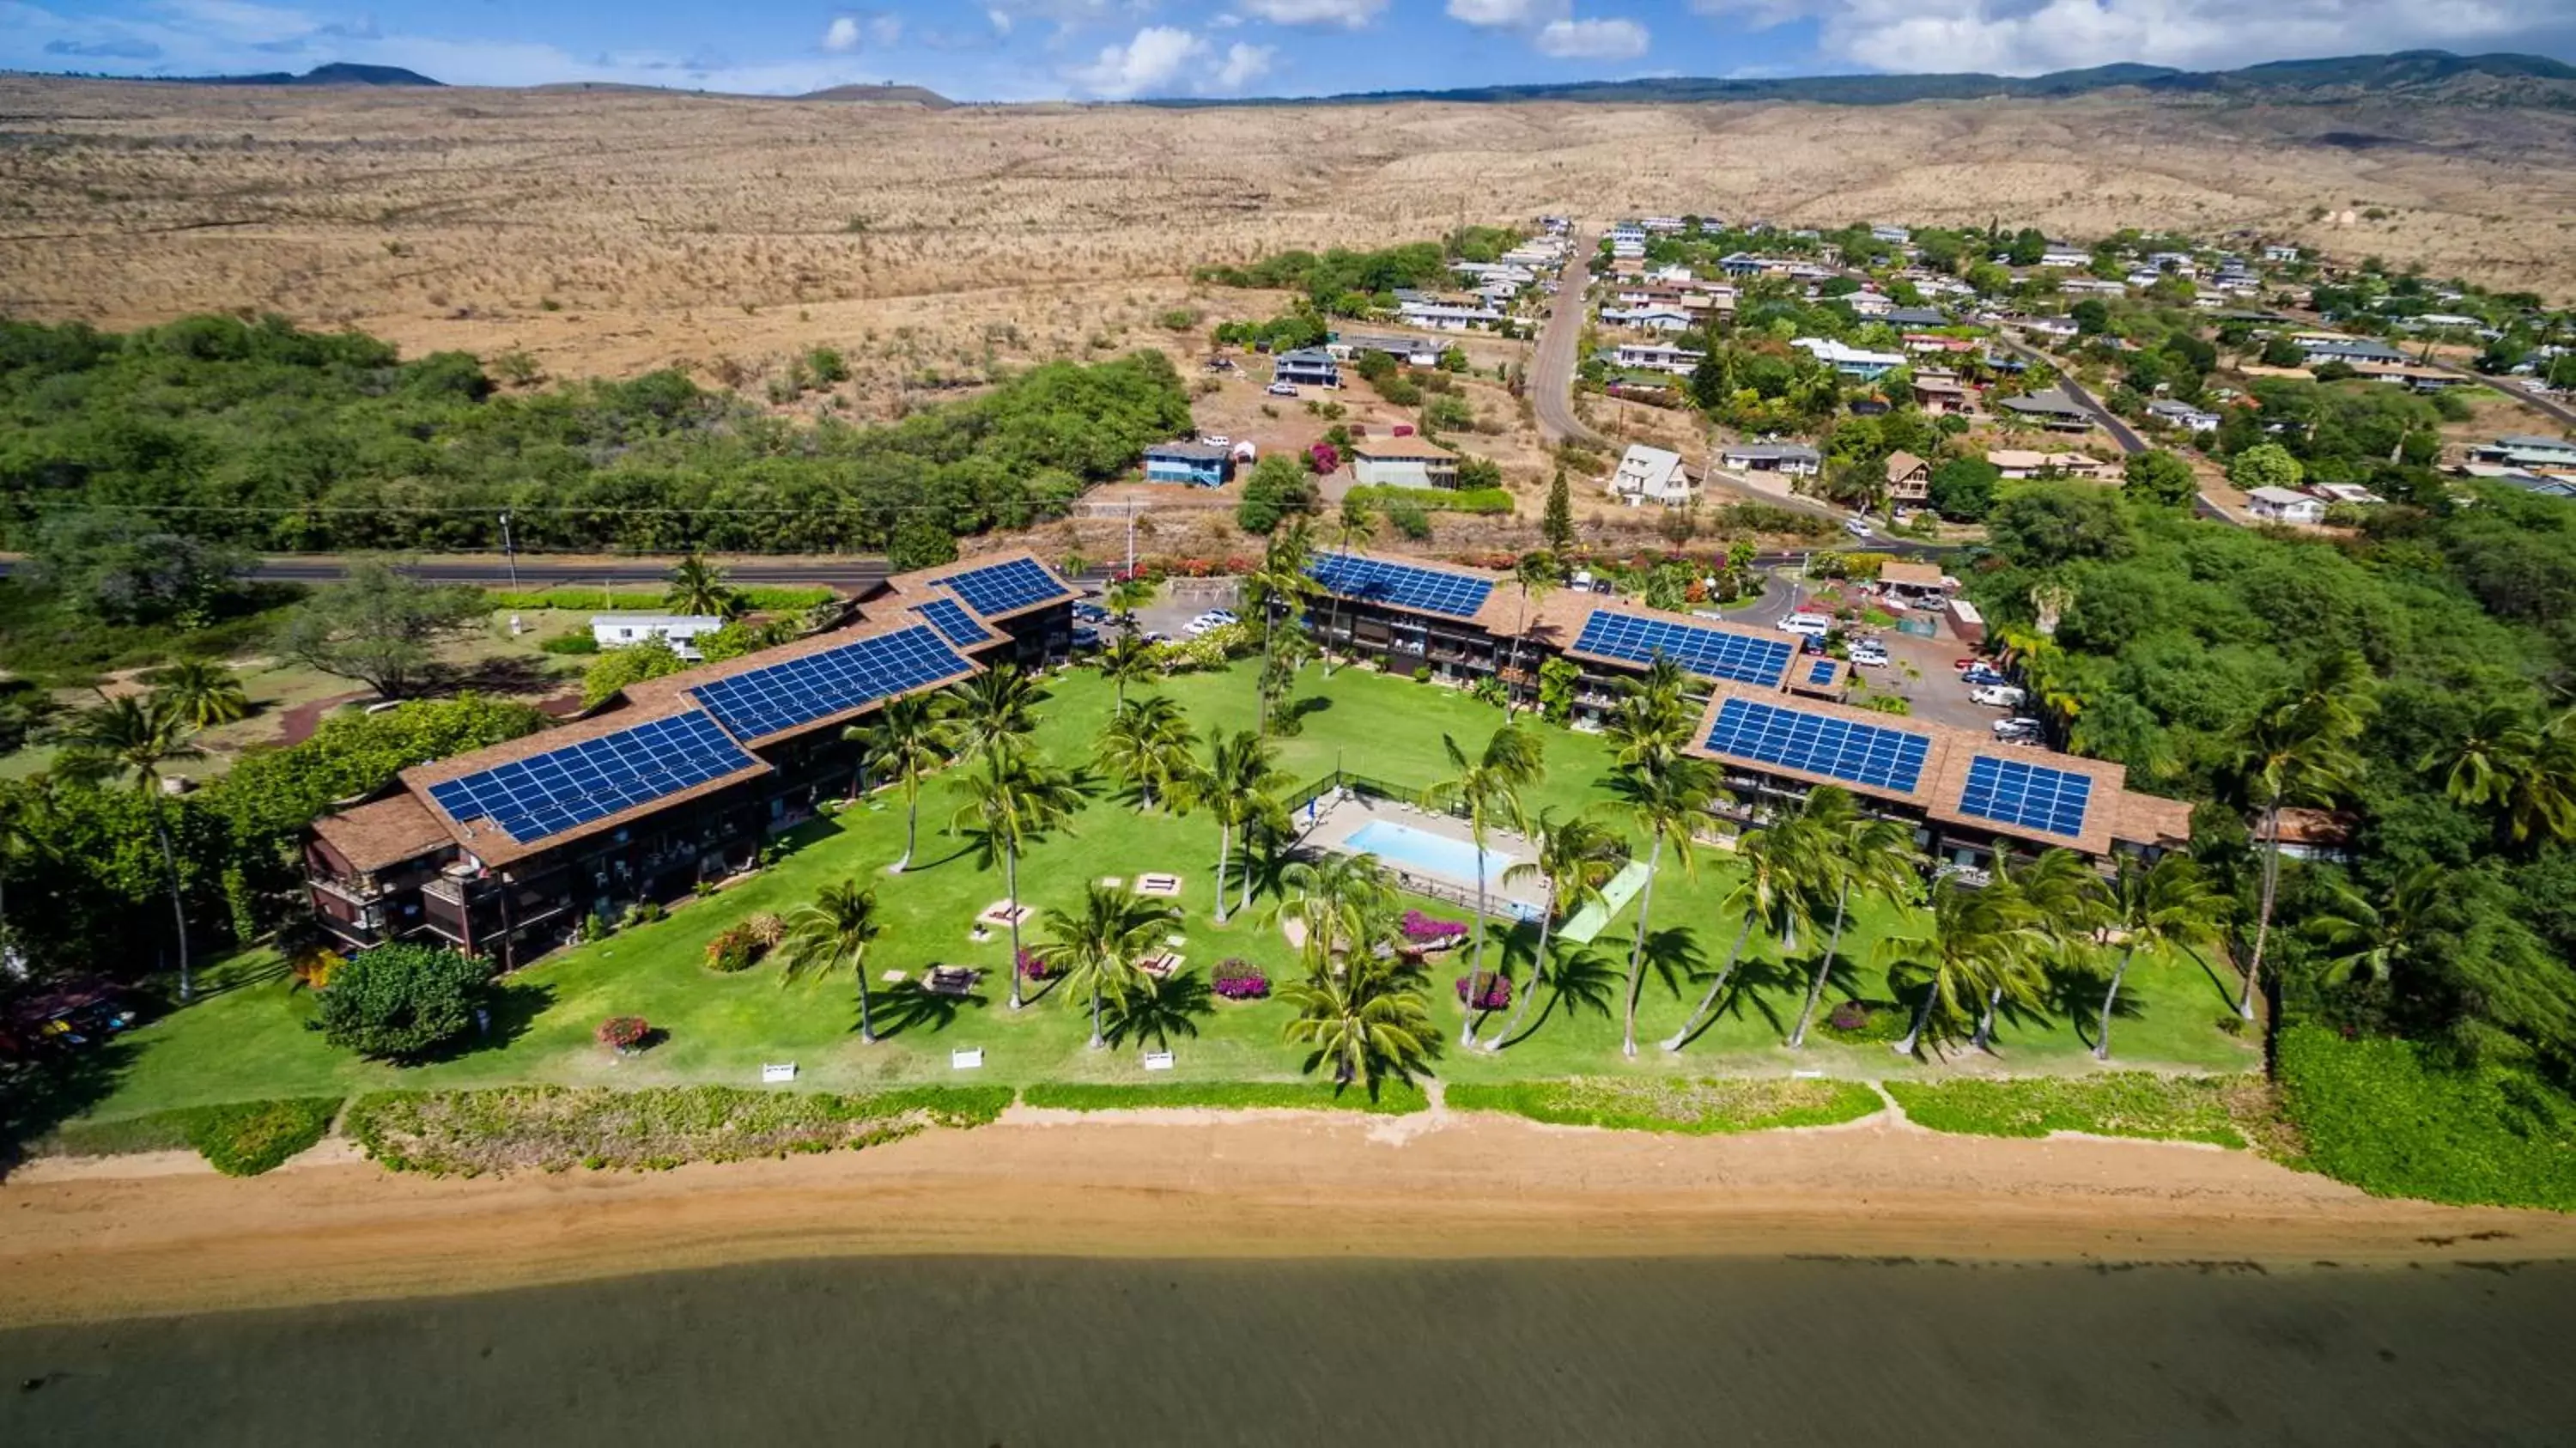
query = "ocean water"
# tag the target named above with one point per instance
(1019, 1351)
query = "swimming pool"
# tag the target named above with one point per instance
(1405, 847)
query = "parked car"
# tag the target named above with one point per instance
(1869, 654)
(1811, 625)
(1282, 389)
(1221, 615)
(2023, 725)
(1085, 636)
(1090, 613)
(1964, 665)
(1857, 527)
(1981, 677)
(1998, 696)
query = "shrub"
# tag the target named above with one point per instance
(2394, 1120)
(623, 1033)
(402, 1001)
(1380, 496)
(1394, 1098)
(553, 1128)
(570, 644)
(1859, 1021)
(1497, 994)
(734, 949)
(766, 929)
(2210, 1109)
(1699, 1107)
(644, 912)
(1238, 979)
(1429, 930)
(1031, 966)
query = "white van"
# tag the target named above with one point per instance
(1998, 696)
(1807, 625)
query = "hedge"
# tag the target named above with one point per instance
(1700, 1107)
(577, 597)
(242, 1138)
(1393, 1098)
(1437, 500)
(553, 1128)
(2390, 1118)
(2212, 1109)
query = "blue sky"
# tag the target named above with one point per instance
(1119, 49)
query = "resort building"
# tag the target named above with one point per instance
(504, 851)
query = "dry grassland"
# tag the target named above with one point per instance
(614, 233)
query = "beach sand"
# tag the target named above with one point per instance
(81, 1241)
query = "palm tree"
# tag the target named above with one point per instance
(1856, 854)
(131, 739)
(1488, 787)
(1242, 771)
(2068, 904)
(1127, 659)
(699, 587)
(836, 926)
(909, 739)
(1278, 586)
(204, 694)
(1098, 949)
(1005, 812)
(2157, 908)
(1779, 865)
(1147, 744)
(28, 824)
(2375, 940)
(993, 714)
(1369, 1020)
(2298, 750)
(1538, 575)
(1344, 904)
(2528, 773)
(1577, 860)
(1125, 597)
(1665, 797)
(1980, 938)
(1355, 526)
(1653, 720)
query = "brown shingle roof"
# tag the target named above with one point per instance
(1910, 575)
(1398, 448)
(387, 832)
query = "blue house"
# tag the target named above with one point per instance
(1198, 464)
(1307, 367)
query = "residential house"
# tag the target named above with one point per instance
(1628, 250)
(1916, 317)
(1402, 462)
(1307, 367)
(1916, 585)
(1650, 475)
(1941, 394)
(1657, 357)
(2528, 452)
(1793, 459)
(1896, 234)
(2318, 350)
(2280, 254)
(1628, 231)
(1412, 351)
(1445, 317)
(1848, 360)
(2182, 415)
(2065, 258)
(1649, 318)
(1745, 264)
(679, 630)
(2409, 376)
(1909, 480)
(2280, 505)
(2351, 493)
(2018, 463)
(2051, 409)
(1662, 225)
(2057, 329)
(2092, 287)
(1867, 303)
(1197, 464)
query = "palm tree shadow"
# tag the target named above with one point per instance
(1157, 1010)
(2218, 982)
(1583, 979)
(910, 1005)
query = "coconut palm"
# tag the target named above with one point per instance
(909, 738)
(131, 739)
(1099, 948)
(993, 714)
(1538, 574)
(1488, 787)
(1280, 585)
(1858, 854)
(836, 926)
(699, 587)
(1980, 937)
(202, 693)
(1369, 1020)
(1652, 722)
(2374, 940)
(2156, 908)
(1577, 860)
(1147, 743)
(2068, 905)
(1236, 786)
(2526, 772)
(1344, 904)
(1780, 865)
(29, 825)
(1665, 797)
(1128, 659)
(2297, 750)
(1355, 526)
(1005, 812)
(1124, 598)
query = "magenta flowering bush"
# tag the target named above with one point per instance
(1238, 979)
(1426, 930)
(1496, 995)
(1032, 968)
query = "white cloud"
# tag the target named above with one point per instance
(841, 35)
(2028, 37)
(1243, 65)
(1349, 14)
(1510, 14)
(1157, 56)
(1591, 39)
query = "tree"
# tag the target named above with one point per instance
(2159, 477)
(2045, 524)
(402, 1000)
(1353, 528)
(1147, 744)
(993, 714)
(1277, 489)
(204, 694)
(1281, 585)
(1488, 787)
(131, 739)
(2067, 905)
(1127, 659)
(1979, 939)
(2376, 941)
(119, 569)
(2156, 908)
(380, 628)
(2527, 774)
(1125, 597)
(1780, 862)
(837, 925)
(647, 658)
(1664, 794)
(1577, 860)
(1855, 854)
(1368, 1020)
(1556, 526)
(1236, 786)
(1342, 903)
(910, 738)
(1538, 575)
(1099, 949)
(1963, 489)
(1006, 810)
(2264, 465)
(2282, 352)
(699, 587)
(2296, 750)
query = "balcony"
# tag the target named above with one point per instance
(342, 890)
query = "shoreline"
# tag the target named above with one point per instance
(81, 1243)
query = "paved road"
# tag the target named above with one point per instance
(855, 575)
(2564, 415)
(2121, 433)
(1552, 373)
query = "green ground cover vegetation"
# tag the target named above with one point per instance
(1697, 1106)
(2212, 1109)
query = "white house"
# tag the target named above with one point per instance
(1649, 318)
(2280, 505)
(1650, 475)
(2183, 415)
(1655, 356)
(1402, 462)
(1441, 317)
(2281, 254)
(1850, 361)
(2065, 256)
(618, 630)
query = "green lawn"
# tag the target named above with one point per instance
(248, 1040)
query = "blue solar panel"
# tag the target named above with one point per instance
(1711, 653)
(954, 623)
(801, 690)
(1821, 672)
(562, 789)
(2030, 795)
(1006, 587)
(1424, 589)
(1862, 754)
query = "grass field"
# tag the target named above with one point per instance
(248, 1039)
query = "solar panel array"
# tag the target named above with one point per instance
(563, 789)
(1711, 653)
(801, 690)
(1862, 754)
(2032, 796)
(1425, 590)
(1820, 672)
(954, 623)
(1001, 588)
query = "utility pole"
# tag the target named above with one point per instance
(1131, 540)
(509, 554)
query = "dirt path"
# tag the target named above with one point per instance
(297, 724)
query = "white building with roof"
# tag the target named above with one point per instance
(679, 630)
(1650, 475)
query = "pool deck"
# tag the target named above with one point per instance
(1339, 818)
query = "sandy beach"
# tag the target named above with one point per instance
(137, 1237)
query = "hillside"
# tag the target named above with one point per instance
(338, 73)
